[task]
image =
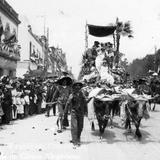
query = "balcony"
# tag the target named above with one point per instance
(11, 53)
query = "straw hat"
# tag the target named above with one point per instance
(77, 84)
(68, 80)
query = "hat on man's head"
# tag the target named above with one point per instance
(50, 81)
(28, 82)
(96, 43)
(65, 73)
(5, 79)
(68, 80)
(108, 44)
(102, 44)
(154, 74)
(77, 84)
(141, 81)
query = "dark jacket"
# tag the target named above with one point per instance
(62, 94)
(50, 92)
(77, 103)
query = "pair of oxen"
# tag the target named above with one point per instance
(103, 104)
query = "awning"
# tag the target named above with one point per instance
(101, 31)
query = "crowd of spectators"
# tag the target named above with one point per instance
(20, 98)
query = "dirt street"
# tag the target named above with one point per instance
(35, 138)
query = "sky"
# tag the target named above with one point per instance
(66, 20)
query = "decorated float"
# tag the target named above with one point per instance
(105, 78)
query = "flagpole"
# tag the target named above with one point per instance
(86, 36)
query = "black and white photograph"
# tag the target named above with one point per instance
(79, 79)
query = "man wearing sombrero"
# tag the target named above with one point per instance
(61, 94)
(78, 107)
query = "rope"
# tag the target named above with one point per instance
(131, 115)
(51, 102)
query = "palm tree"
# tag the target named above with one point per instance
(1, 29)
(122, 29)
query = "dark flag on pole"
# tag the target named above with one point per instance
(101, 31)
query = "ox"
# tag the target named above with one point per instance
(135, 111)
(104, 112)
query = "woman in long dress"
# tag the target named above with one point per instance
(14, 107)
(20, 104)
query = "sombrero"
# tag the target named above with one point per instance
(65, 73)
(65, 78)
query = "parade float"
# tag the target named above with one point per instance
(102, 61)
(105, 80)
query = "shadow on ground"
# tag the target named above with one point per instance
(108, 137)
(111, 138)
(146, 137)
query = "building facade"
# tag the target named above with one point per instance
(9, 48)
(32, 49)
(58, 59)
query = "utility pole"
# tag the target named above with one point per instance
(155, 58)
(48, 34)
(44, 25)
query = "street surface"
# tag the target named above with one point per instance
(35, 138)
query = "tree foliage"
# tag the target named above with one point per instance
(141, 67)
(122, 29)
(124, 63)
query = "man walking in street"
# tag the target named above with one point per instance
(78, 109)
(62, 93)
(49, 96)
